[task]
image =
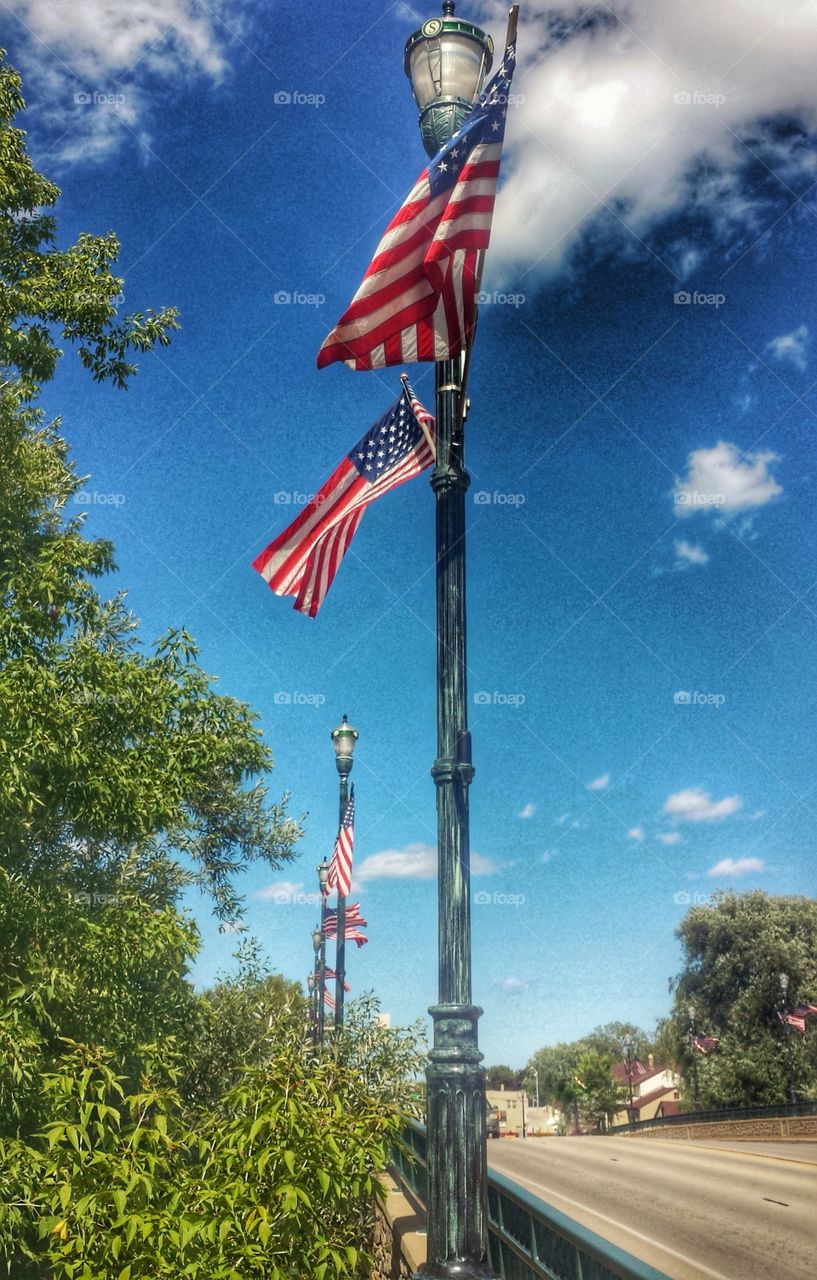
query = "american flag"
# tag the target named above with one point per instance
(340, 868)
(328, 999)
(355, 924)
(705, 1044)
(303, 560)
(330, 973)
(418, 299)
(806, 1010)
(794, 1020)
(353, 916)
(637, 1068)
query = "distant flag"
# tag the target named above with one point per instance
(353, 916)
(806, 1011)
(303, 560)
(330, 974)
(418, 298)
(340, 868)
(328, 999)
(637, 1068)
(355, 924)
(705, 1044)
(794, 1020)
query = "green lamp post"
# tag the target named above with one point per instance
(784, 991)
(696, 1091)
(446, 61)
(319, 943)
(344, 739)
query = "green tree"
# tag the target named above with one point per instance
(734, 950)
(557, 1066)
(275, 1180)
(116, 763)
(233, 1024)
(387, 1059)
(48, 293)
(599, 1096)
(613, 1038)
(110, 972)
(500, 1077)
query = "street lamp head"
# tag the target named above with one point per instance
(310, 982)
(323, 875)
(446, 62)
(784, 982)
(344, 738)
(316, 939)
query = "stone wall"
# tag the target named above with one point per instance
(399, 1244)
(781, 1129)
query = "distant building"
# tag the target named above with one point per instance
(656, 1091)
(513, 1106)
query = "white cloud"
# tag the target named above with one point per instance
(669, 837)
(414, 862)
(287, 892)
(95, 71)
(599, 784)
(688, 553)
(790, 347)
(737, 867)
(513, 983)
(758, 813)
(724, 480)
(528, 811)
(562, 819)
(644, 111)
(695, 805)
(637, 833)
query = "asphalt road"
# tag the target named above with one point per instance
(695, 1212)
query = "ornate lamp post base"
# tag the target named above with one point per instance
(457, 1163)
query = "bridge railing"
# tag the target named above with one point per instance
(777, 1111)
(527, 1238)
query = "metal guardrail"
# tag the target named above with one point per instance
(527, 1238)
(776, 1112)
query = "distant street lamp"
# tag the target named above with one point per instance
(784, 991)
(344, 738)
(323, 875)
(536, 1075)
(696, 1096)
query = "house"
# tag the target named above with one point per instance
(656, 1090)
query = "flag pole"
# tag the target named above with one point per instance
(340, 946)
(344, 738)
(457, 1160)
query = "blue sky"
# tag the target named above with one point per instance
(641, 516)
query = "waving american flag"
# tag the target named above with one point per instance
(303, 560)
(355, 924)
(418, 298)
(340, 868)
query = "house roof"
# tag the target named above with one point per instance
(638, 1103)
